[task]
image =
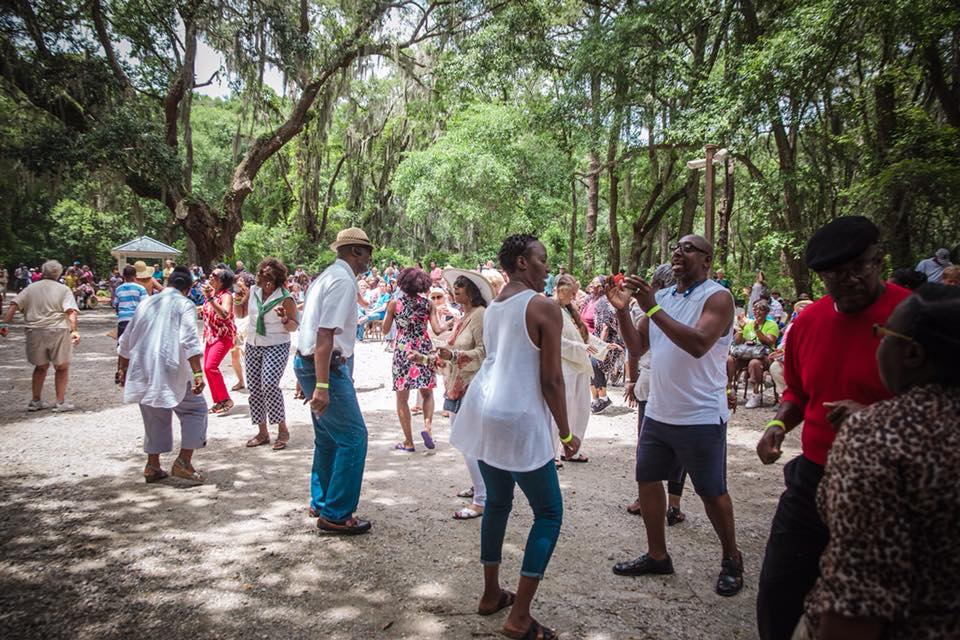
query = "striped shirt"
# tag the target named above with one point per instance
(129, 295)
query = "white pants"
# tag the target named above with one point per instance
(479, 489)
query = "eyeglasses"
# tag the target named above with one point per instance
(688, 247)
(859, 270)
(880, 331)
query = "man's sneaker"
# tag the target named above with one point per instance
(644, 565)
(730, 580)
(37, 405)
(595, 406)
(63, 407)
(753, 400)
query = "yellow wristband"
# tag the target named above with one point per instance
(323, 385)
(777, 423)
(198, 375)
(567, 439)
(653, 310)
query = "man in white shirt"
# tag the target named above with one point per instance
(933, 267)
(159, 366)
(324, 367)
(50, 317)
(687, 329)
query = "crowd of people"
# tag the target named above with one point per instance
(863, 541)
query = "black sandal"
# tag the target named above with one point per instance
(536, 632)
(507, 598)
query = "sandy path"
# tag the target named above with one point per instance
(90, 551)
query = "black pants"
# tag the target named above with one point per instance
(121, 327)
(675, 486)
(791, 563)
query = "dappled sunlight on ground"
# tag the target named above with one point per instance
(91, 551)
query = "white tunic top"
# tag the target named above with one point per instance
(684, 389)
(159, 341)
(504, 419)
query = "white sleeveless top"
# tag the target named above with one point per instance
(504, 419)
(685, 390)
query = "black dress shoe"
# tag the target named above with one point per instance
(352, 527)
(730, 581)
(644, 565)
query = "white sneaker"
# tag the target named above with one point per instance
(63, 407)
(753, 401)
(37, 405)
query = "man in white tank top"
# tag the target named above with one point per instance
(688, 331)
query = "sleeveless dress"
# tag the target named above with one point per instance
(504, 419)
(412, 317)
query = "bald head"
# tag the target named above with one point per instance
(699, 242)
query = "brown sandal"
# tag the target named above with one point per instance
(225, 407)
(258, 440)
(156, 474)
(282, 439)
(181, 470)
(238, 387)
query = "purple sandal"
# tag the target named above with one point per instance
(427, 440)
(399, 447)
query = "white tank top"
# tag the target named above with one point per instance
(685, 390)
(504, 419)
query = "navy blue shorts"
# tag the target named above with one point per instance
(700, 449)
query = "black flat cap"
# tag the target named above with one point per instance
(839, 241)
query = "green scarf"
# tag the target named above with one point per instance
(264, 309)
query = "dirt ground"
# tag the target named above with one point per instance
(87, 550)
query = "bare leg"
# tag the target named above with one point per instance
(673, 501)
(185, 456)
(491, 587)
(593, 392)
(720, 512)
(237, 366)
(519, 619)
(403, 413)
(263, 432)
(731, 369)
(756, 374)
(61, 374)
(39, 375)
(426, 397)
(653, 506)
(602, 392)
(282, 428)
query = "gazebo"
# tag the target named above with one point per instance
(142, 247)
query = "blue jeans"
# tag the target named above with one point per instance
(542, 489)
(339, 445)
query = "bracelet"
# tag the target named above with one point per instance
(75, 333)
(653, 310)
(567, 439)
(323, 385)
(777, 423)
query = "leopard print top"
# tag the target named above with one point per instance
(890, 497)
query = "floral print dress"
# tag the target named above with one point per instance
(412, 318)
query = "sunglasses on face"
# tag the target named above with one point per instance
(880, 331)
(688, 247)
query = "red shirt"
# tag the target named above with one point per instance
(832, 356)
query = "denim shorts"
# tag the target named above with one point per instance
(701, 449)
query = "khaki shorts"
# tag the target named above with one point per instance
(45, 346)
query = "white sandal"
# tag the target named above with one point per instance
(467, 513)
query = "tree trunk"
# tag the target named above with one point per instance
(691, 199)
(573, 223)
(723, 239)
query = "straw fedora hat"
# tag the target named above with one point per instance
(143, 271)
(351, 236)
(450, 274)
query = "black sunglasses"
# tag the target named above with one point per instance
(688, 247)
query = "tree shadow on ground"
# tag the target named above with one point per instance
(112, 557)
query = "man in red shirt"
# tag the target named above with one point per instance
(830, 370)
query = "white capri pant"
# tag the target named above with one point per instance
(158, 424)
(479, 488)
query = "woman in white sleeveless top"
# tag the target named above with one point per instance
(506, 423)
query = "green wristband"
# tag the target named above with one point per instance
(567, 439)
(777, 423)
(653, 310)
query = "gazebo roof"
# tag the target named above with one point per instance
(144, 245)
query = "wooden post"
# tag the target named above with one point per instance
(708, 195)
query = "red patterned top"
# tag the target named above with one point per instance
(216, 326)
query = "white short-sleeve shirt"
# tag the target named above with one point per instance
(331, 303)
